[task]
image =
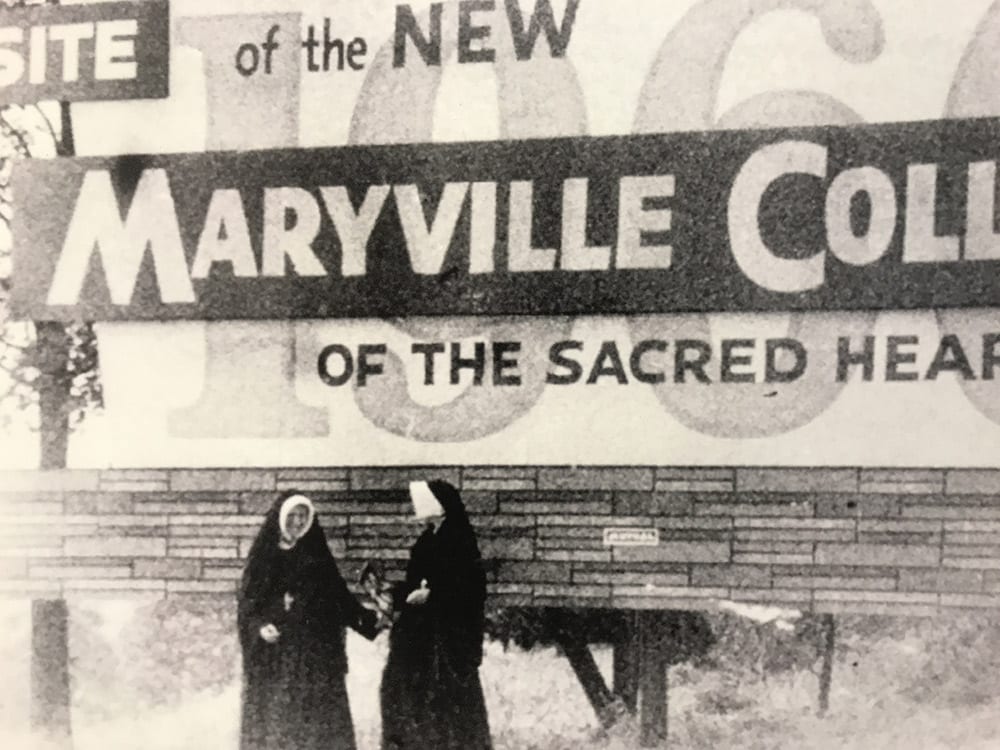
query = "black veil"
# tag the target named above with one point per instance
(456, 538)
(311, 551)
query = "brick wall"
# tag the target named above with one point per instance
(917, 542)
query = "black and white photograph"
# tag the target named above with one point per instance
(499, 374)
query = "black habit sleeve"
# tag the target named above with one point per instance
(355, 615)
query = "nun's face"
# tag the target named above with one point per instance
(295, 522)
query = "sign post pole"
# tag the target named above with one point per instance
(50, 694)
(826, 675)
(51, 712)
(625, 664)
(652, 681)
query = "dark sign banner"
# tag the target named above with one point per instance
(85, 52)
(865, 217)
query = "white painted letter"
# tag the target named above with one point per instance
(295, 241)
(353, 229)
(483, 230)
(114, 50)
(844, 244)
(71, 34)
(576, 255)
(920, 243)
(225, 215)
(754, 258)
(428, 244)
(633, 220)
(96, 223)
(981, 241)
(521, 256)
(11, 61)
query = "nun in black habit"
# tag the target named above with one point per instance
(293, 610)
(431, 694)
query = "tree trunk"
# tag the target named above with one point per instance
(54, 345)
(50, 682)
(50, 686)
(53, 393)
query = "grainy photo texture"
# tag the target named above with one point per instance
(499, 374)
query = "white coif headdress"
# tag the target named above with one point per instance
(295, 501)
(425, 504)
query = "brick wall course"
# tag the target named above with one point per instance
(167, 568)
(782, 548)
(960, 481)
(694, 473)
(835, 582)
(693, 485)
(951, 513)
(771, 558)
(891, 541)
(492, 483)
(61, 480)
(775, 510)
(556, 506)
(902, 488)
(123, 546)
(934, 579)
(187, 480)
(653, 504)
(590, 478)
(731, 575)
(498, 472)
(877, 554)
(399, 478)
(13, 567)
(863, 505)
(797, 480)
(576, 555)
(903, 476)
(792, 598)
(43, 508)
(630, 578)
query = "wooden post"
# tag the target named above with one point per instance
(652, 682)
(581, 660)
(625, 663)
(826, 675)
(50, 713)
(589, 675)
(50, 693)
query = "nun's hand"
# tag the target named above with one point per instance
(382, 621)
(270, 633)
(419, 596)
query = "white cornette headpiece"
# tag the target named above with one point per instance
(290, 503)
(425, 504)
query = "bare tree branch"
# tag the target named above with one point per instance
(7, 392)
(7, 344)
(48, 124)
(29, 365)
(11, 132)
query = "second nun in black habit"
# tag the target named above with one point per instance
(293, 610)
(431, 693)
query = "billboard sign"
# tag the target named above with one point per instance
(98, 51)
